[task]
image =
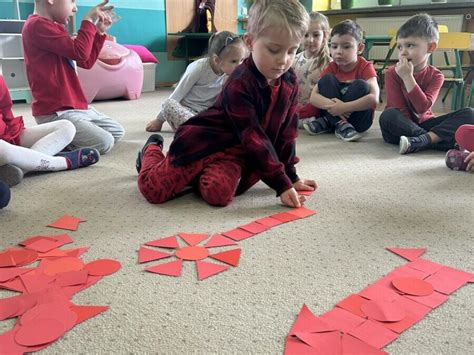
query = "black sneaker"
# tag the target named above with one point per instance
(347, 132)
(317, 126)
(153, 139)
(412, 144)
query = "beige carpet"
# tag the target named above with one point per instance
(370, 198)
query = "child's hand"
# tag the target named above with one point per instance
(104, 24)
(291, 198)
(404, 68)
(470, 162)
(338, 107)
(305, 185)
(99, 12)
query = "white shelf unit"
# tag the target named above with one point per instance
(12, 63)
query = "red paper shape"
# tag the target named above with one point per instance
(374, 334)
(230, 257)
(41, 331)
(408, 253)
(447, 279)
(302, 212)
(383, 311)
(102, 267)
(17, 257)
(193, 238)
(342, 320)
(86, 312)
(353, 304)
(172, 268)
(145, 255)
(238, 234)
(43, 245)
(218, 240)
(294, 346)
(401, 326)
(424, 265)
(72, 278)
(76, 252)
(55, 253)
(169, 243)
(269, 221)
(36, 283)
(354, 346)
(12, 272)
(254, 227)
(205, 270)
(285, 217)
(66, 222)
(35, 238)
(412, 286)
(379, 292)
(434, 300)
(192, 253)
(324, 343)
(9, 307)
(305, 192)
(307, 322)
(63, 265)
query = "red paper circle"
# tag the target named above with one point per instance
(41, 331)
(413, 286)
(383, 311)
(102, 267)
(192, 253)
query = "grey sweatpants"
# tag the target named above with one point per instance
(93, 128)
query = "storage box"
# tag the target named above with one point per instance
(149, 74)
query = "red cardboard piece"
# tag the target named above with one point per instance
(342, 320)
(447, 279)
(72, 278)
(434, 300)
(324, 343)
(383, 311)
(353, 304)
(302, 212)
(193, 238)
(205, 270)
(102, 267)
(230, 257)
(285, 217)
(374, 334)
(307, 322)
(145, 255)
(66, 222)
(254, 227)
(169, 243)
(192, 253)
(294, 346)
(238, 234)
(218, 240)
(412, 286)
(43, 245)
(41, 331)
(12, 272)
(354, 346)
(408, 253)
(269, 221)
(86, 312)
(63, 265)
(172, 268)
(424, 265)
(305, 192)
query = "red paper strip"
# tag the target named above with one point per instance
(238, 234)
(269, 221)
(254, 227)
(302, 212)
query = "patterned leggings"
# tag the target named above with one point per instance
(176, 114)
(216, 177)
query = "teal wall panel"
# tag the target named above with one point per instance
(6, 9)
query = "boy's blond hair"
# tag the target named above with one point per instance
(285, 14)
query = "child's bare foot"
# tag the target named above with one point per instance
(154, 125)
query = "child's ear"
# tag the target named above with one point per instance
(248, 40)
(216, 60)
(432, 47)
(360, 48)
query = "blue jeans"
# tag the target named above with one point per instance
(331, 88)
(394, 125)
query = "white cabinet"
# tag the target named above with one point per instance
(12, 64)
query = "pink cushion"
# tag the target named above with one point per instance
(144, 54)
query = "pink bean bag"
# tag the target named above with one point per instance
(118, 72)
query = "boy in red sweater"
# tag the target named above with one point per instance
(50, 58)
(412, 88)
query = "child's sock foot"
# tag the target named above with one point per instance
(455, 159)
(414, 144)
(80, 158)
(11, 175)
(153, 139)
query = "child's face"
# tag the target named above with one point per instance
(313, 39)
(61, 10)
(273, 51)
(416, 50)
(344, 50)
(232, 58)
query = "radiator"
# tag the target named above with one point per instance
(383, 25)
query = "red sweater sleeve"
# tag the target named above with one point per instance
(10, 126)
(423, 99)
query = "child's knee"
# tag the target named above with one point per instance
(149, 191)
(387, 116)
(216, 192)
(67, 129)
(105, 144)
(361, 86)
(328, 79)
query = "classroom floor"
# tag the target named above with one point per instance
(370, 198)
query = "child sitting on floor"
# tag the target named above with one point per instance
(34, 148)
(249, 133)
(412, 88)
(462, 159)
(202, 82)
(50, 59)
(310, 63)
(347, 92)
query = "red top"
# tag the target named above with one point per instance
(363, 70)
(416, 104)
(49, 52)
(10, 126)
